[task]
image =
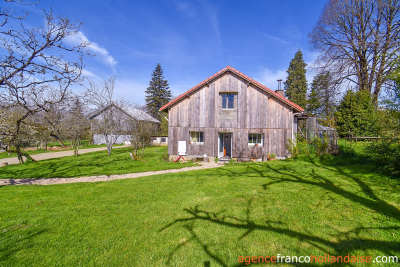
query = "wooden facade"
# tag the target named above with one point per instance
(257, 110)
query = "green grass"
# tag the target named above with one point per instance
(85, 145)
(94, 163)
(204, 218)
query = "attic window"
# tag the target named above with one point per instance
(228, 100)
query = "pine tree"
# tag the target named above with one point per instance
(314, 102)
(158, 93)
(321, 100)
(296, 82)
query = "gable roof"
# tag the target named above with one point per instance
(134, 113)
(243, 76)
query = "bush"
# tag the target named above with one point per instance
(386, 154)
(356, 115)
(302, 147)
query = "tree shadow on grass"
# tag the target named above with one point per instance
(339, 243)
(371, 201)
(20, 239)
(349, 241)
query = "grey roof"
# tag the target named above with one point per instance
(134, 113)
(323, 128)
(139, 114)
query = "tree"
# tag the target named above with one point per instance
(107, 118)
(37, 67)
(141, 130)
(10, 124)
(158, 93)
(76, 124)
(358, 41)
(314, 103)
(392, 100)
(321, 100)
(356, 115)
(296, 82)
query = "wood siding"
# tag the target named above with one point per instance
(256, 111)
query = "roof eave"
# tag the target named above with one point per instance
(243, 76)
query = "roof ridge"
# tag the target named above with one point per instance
(244, 76)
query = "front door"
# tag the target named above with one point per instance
(225, 145)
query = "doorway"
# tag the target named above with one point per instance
(225, 145)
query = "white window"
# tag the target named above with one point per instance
(228, 101)
(196, 137)
(255, 139)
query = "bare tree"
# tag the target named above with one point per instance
(38, 65)
(10, 124)
(107, 119)
(358, 41)
(76, 125)
(141, 127)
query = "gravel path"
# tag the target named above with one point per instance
(100, 178)
(53, 155)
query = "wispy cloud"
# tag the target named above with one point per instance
(274, 38)
(88, 74)
(185, 7)
(98, 50)
(213, 16)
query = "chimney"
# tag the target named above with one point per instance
(280, 90)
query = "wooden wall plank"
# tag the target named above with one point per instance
(256, 113)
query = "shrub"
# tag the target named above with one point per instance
(386, 154)
(315, 147)
(356, 115)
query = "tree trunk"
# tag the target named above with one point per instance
(58, 139)
(20, 154)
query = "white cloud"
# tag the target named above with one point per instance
(98, 50)
(88, 74)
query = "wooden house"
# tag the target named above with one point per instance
(230, 115)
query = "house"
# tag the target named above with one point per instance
(230, 115)
(119, 123)
(159, 140)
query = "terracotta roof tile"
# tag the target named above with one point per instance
(245, 77)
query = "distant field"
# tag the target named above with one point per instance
(203, 218)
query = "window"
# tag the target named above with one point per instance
(228, 101)
(196, 137)
(255, 139)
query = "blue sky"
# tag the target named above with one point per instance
(191, 40)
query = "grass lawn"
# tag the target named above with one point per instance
(85, 144)
(204, 218)
(95, 163)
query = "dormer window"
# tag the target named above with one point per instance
(228, 100)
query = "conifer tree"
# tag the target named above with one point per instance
(296, 82)
(321, 100)
(314, 102)
(158, 93)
